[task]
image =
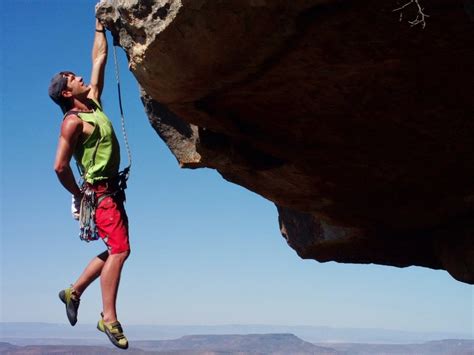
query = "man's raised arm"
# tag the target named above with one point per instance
(99, 59)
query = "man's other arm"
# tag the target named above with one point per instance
(71, 130)
(99, 59)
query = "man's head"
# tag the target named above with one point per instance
(64, 87)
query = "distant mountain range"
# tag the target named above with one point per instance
(251, 344)
(281, 344)
(12, 332)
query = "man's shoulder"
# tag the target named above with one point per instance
(71, 120)
(71, 127)
(71, 116)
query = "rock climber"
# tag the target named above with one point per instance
(88, 135)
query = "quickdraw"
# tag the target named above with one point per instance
(88, 229)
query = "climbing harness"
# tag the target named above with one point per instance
(90, 201)
(88, 228)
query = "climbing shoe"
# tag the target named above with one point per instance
(115, 333)
(71, 300)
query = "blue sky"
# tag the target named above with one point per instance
(204, 251)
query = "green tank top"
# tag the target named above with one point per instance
(98, 156)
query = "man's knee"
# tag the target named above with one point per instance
(122, 256)
(126, 254)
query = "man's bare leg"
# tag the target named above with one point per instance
(109, 282)
(90, 273)
(71, 295)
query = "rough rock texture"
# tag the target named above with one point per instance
(359, 127)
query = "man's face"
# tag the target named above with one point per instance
(75, 85)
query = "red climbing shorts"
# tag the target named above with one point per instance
(111, 219)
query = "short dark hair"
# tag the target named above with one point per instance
(57, 85)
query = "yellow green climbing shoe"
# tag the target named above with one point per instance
(115, 333)
(71, 300)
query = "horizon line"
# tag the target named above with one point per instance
(471, 334)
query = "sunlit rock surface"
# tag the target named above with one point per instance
(356, 125)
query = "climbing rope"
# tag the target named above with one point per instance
(122, 118)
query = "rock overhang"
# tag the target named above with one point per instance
(358, 126)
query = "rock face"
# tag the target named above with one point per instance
(356, 125)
